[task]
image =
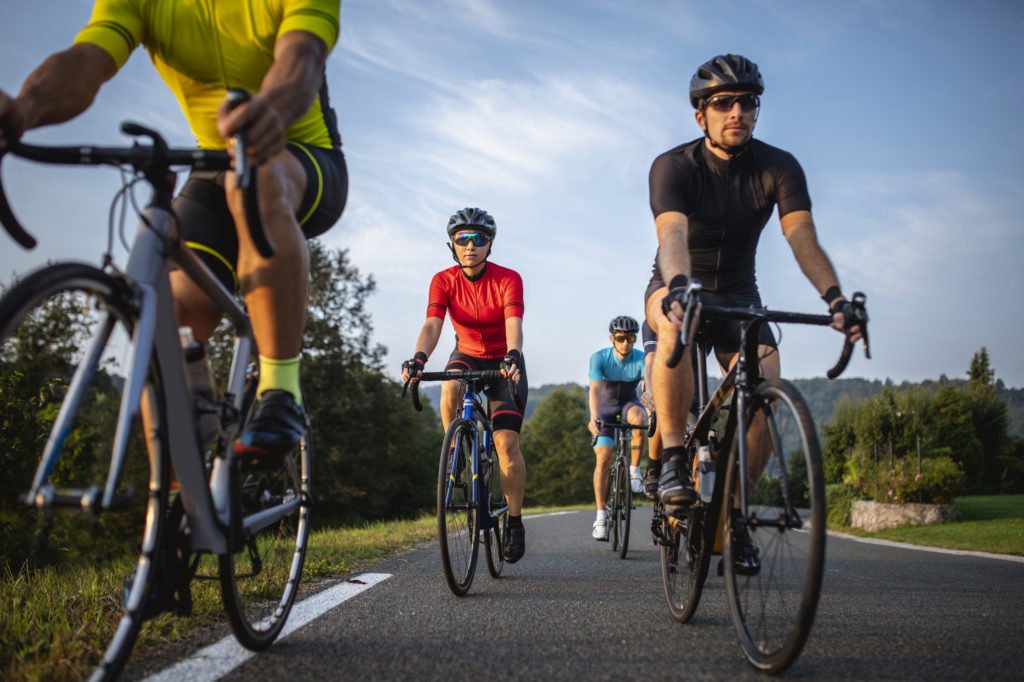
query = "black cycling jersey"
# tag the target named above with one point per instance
(727, 204)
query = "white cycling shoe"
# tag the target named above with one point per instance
(637, 484)
(600, 532)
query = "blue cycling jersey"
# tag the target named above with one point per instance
(619, 377)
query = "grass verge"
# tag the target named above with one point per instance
(991, 523)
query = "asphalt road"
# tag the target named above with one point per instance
(571, 609)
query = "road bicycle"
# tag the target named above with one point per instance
(779, 501)
(123, 475)
(470, 501)
(620, 493)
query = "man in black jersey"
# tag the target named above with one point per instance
(711, 198)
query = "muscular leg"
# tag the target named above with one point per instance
(275, 289)
(673, 388)
(603, 454)
(513, 469)
(635, 415)
(451, 401)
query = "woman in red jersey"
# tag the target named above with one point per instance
(485, 301)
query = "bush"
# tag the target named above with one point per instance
(839, 499)
(938, 481)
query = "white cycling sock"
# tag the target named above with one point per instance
(634, 471)
(602, 515)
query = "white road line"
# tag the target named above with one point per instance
(937, 550)
(221, 658)
(537, 516)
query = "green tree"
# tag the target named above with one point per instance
(557, 447)
(990, 418)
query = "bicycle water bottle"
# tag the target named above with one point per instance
(706, 473)
(198, 370)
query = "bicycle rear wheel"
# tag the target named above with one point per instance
(685, 558)
(84, 577)
(773, 609)
(457, 529)
(259, 579)
(494, 539)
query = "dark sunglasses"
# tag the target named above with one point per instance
(723, 103)
(619, 338)
(463, 238)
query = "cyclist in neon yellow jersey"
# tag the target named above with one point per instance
(277, 50)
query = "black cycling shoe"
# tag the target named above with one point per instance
(675, 491)
(651, 482)
(274, 430)
(746, 559)
(515, 545)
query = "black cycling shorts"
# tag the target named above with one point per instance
(504, 414)
(724, 335)
(206, 225)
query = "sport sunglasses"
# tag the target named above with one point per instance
(463, 238)
(619, 338)
(723, 103)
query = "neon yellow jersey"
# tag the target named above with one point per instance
(201, 48)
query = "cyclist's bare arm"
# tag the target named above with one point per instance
(426, 342)
(594, 402)
(286, 93)
(59, 89)
(802, 236)
(674, 254)
(514, 341)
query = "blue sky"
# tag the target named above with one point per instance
(905, 116)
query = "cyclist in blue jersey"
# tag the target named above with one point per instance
(614, 375)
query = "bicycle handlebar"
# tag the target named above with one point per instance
(857, 316)
(463, 376)
(153, 160)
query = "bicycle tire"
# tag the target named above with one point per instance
(682, 579)
(626, 496)
(494, 538)
(615, 505)
(773, 610)
(117, 552)
(457, 528)
(260, 576)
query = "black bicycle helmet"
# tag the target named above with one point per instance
(725, 72)
(625, 324)
(472, 217)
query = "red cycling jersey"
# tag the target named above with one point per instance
(479, 308)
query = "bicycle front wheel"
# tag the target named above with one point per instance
(773, 602)
(494, 539)
(625, 510)
(615, 504)
(457, 528)
(259, 579)
(82, 573)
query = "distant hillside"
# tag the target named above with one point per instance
(821, 395)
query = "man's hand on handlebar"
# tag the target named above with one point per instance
(510, 365)
(261, 122)
(412, 369)
(12, 121)
(593, 426)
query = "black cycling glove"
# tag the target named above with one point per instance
(415, 366)
(513, 357)
(676, 293)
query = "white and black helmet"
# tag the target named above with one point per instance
(472, 217)
(625, 324)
